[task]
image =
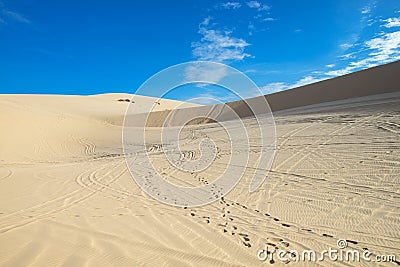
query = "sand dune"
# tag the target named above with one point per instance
(55, 128)
(67, 197)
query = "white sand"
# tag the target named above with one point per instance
(67, 198)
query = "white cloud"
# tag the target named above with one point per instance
(392, 22)
(340, 72)
(231, 5)
(330, 65)
(274, 87)
(345, 46)
(211, 98)
(385, 48)
(211, 73)
(16, 16)
(366, 10)
(6, 15)
(304, 81)
(347, 56)
(264, 8)
(281, 86)
(268, 19)
(254, 4)
(218, 46)
(258, 6)
(251, 28)
(382, 49)
(206, 21)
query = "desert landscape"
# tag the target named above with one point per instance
(67, 197)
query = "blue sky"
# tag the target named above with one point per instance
(92, 47)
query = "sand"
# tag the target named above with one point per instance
(68, 199)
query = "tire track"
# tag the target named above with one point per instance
(8, 172)
(50, 207)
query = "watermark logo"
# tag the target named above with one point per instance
(157, 136)
(341, 243)
(342, 253)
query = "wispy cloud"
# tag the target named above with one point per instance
(268, 19)
(16, 16)
(385, 48)
(281, 86)
(345, 46)
(219, 46)
(204, 72)
(253, 4)
(9, 15)
(381, 50)
(230, 5)
(304, 81)
(211, 98)
(274, 87)
(330, 66)
(258, 5)
(366, 10)
(392, 22)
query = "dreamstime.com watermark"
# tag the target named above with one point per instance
(342, 253)
(246, 125)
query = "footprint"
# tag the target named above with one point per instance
(276, 219)
(326, 235)
(246, 244)
(245, 238)
(286, 244)
(286, 225)
(351, 241)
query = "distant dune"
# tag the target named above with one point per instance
(373, 81)
(377, 80)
